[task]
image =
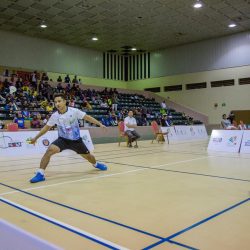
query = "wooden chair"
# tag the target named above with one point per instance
(121, 133)
(157, 132)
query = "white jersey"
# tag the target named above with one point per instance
(130, 121)
(67, 123)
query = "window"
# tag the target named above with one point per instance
(244, 81)
(156, 89)
(222, 83)
(173, 88)
(200, 85)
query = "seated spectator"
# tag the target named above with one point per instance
(34, 79)
(26, 113)
(162, 111)
(67, 79)
(19, 120)
(35, 123)
(114, 102)
(226, 124)
(9, 106)
(6, 73)
(44, 77)
(72, 103)
(165, 121)
(231, 117)
(113, 119)
(109, 101)
(44, 103)
(130, 125)
(234, 123)
(242, 126)
(75, 79)
(59, 87)
(1, 124)
(106, 121)
(45, 120)
(103, 104)
(59, 79)
(164, 105)
(2, 99)
(49, 107)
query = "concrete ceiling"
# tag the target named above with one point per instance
(146, 24)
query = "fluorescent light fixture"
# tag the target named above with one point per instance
(232, 25)
(198, 4)
(134, 49)
(43, 26)
(94, 38)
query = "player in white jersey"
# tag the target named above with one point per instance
(66, 119)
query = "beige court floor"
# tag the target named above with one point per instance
(155, 197)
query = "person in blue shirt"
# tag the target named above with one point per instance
(20, 121)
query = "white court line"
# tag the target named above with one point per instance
(63, 225)
(104, 176)
(179, 162)
(67, 182)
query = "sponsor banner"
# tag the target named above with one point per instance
(171, 133)
(184, 133)
(245, 144)
(225, 140)
(195, 132)
(17, 143)
(198, 132)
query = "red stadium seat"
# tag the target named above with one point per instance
(12, 126)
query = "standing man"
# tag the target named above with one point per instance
(130, 125)
(66, 119)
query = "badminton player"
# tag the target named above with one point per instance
(66, 119)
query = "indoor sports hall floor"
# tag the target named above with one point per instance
(155, 197)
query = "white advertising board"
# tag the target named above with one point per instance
(198, 132)
(171, 133)
(15, 143)
(225, 141)
(185, 133)
(245, 144)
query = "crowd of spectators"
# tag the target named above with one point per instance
(31, 99)
(229, 122)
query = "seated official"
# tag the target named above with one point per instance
(226, 124)
(130, 125)
(165, 122)
(242, 126)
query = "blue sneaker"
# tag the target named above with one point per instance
(101, 166)
(37, 178)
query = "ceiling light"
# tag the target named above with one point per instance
(43, 25)
(134, 49)
(232, 25)
(198, 4)
(94, 38)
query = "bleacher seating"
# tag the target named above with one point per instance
(145, 109)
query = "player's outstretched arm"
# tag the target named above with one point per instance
(91, 119)
(43, 131)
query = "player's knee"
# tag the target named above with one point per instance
(52, 150)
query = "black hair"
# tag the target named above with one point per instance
(60, 95)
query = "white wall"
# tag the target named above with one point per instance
(218, 53)
(17, 50)
(202, 100)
